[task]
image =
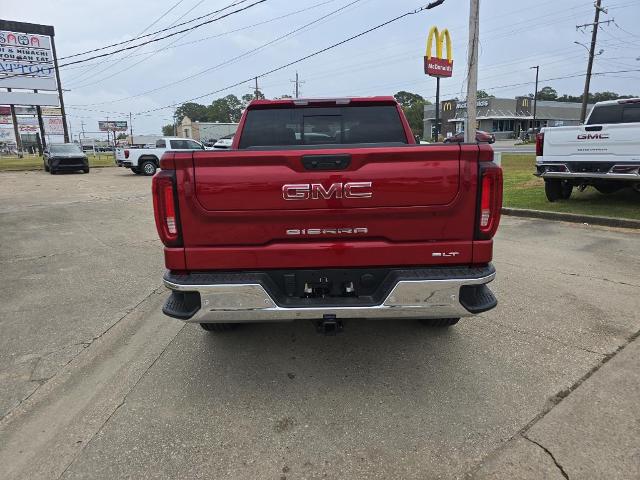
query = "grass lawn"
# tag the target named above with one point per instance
(34, 162)
(523, 190)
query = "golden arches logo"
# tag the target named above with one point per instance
(446, 107)
(525, 102)
(437, 66)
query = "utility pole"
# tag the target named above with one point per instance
(297, 81)
(256, 92)
(592, 50)
(130, 128)
(535, 99)
(472, 67)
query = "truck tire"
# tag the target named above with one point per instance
(85, 170)
(148, 168)
(557, 190)
(439, 322)
(219, 327)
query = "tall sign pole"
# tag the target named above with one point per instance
(16, 130)
(438, 66)
(59, 82)
(472, 67)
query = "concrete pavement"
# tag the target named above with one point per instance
(537, 388)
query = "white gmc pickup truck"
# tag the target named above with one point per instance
(603, 153)
(146, 161)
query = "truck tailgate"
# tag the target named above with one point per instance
(257, 207)
(611, 142)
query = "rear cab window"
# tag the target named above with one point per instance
(289, 125)
(615, 113)
(161, 144)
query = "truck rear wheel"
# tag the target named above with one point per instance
(219, 327)
(439, 322)
(557, 190)
(148, 168)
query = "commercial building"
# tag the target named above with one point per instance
(506, 117)
(205, 132)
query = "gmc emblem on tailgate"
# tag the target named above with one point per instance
(593, 136)
(316, 191)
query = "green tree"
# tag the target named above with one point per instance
(226, 109)
(413, 106)
(252, 96)
(121, 136)
(195, 111)
(168, 130)
(547, 93)
(483, 94)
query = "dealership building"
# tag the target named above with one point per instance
(505, 117)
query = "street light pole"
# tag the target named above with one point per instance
(535, 98)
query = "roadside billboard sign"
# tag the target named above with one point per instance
(26, 61)
(437, 66)
(53, 125)
(112, 126)
(51, 111)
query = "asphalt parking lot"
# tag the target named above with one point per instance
(96, 383)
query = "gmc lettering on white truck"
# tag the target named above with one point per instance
(604, 153)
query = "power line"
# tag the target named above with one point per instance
(209, 37)
(237, 57)
(154, 33)
(95, 73)
(429, 6)
(144, 43)
(129, 67)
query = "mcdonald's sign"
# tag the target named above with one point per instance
(525, 102)
(437, 66)
(447, 106)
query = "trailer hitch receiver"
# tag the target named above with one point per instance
(329, 325)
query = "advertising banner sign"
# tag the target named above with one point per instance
(26, 61)
(112, 126)
(437, 66)
(53, 125)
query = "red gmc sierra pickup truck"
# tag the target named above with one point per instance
(327, 210)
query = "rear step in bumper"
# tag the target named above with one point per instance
(435, 295)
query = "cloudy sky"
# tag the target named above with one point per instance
(147, 80)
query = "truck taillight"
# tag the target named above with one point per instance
(539, 144)
(126, 154)
(490, 200)
(165, 208)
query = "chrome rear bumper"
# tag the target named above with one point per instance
(250, 302)
(623, 172)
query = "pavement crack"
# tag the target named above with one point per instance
(121, 404)
(571, 274)
(546, 337)
(85, 344)
(548, 452)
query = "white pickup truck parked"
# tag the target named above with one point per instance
(145, 161)
(603, 153)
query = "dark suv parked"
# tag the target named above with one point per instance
(65, 156)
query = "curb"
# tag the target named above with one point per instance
(573, 218)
